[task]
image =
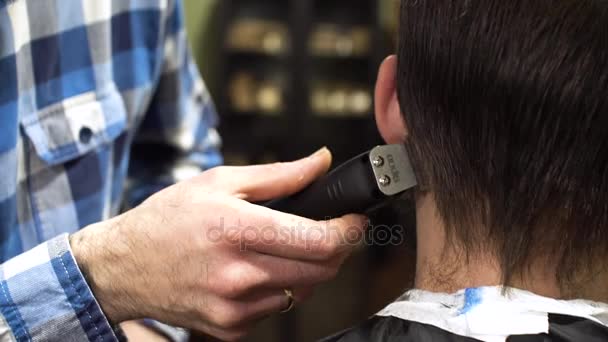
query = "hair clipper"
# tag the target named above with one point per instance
(360, 185)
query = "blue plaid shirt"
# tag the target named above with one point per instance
(88, 88)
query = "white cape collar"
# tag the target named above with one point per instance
(486, 314)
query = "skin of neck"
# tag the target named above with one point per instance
(443, 268)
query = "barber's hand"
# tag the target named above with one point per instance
(199, 255)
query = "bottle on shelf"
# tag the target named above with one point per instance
(340, 99)
(331, 40)
(263, 36)
(248, 94)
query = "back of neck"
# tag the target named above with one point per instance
(447, 270)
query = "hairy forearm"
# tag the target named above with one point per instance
(101, 254)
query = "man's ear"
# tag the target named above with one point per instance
(388, 114)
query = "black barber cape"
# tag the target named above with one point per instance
(482, 314)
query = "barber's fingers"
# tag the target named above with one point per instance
(266, 182)
(251, 272)
(317, 241)
(269, 301)
(275, 272)
(233, 315)
(284, 235)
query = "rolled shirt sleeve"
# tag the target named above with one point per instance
(45, 297)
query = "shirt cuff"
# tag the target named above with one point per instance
(44, 296)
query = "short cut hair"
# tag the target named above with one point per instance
(506, 103)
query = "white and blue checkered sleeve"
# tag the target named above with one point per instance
(44, 297)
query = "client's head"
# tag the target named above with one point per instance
(503, 106)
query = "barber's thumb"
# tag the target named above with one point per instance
(266, 182)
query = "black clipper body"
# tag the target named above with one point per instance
(365, 182)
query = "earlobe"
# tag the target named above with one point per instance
(388, 113)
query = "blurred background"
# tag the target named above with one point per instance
(291, 76)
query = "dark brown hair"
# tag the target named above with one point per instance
(506, 102)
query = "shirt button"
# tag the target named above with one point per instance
(85, 135)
